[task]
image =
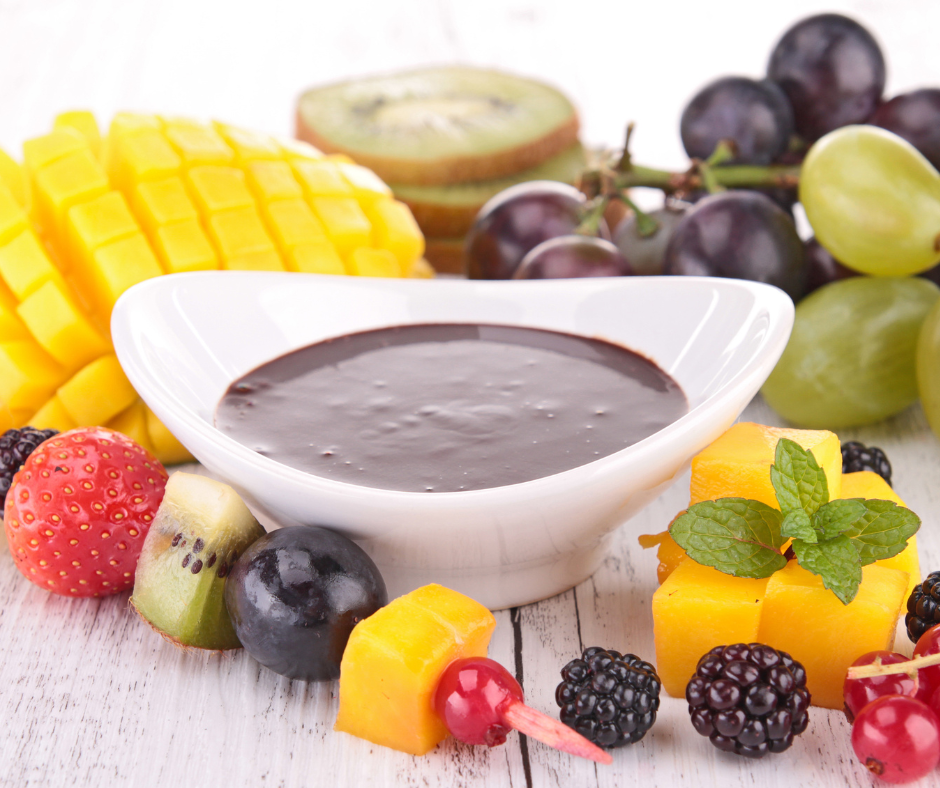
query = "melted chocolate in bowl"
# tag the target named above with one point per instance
(447, 408)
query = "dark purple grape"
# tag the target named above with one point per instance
(572, 257)
(756, 116)
(916, 117)
(517, 220)
(739, 235)
(295, 595)
(646, 253)
(831, 69)
(821, 267)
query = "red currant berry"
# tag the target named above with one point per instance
(858, 693)
(897, 738)
(929, 643)
(471, 698)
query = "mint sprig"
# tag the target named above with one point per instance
(832, 539)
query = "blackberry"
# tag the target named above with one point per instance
(749, 699)
(923, 607)
(609, 698)
(15, 447)
(859, 457)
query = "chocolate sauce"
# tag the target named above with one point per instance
(443, 408)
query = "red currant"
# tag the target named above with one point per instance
(471, 698)
(929, 643)
(897, 738)
(480, 702)
(858, 693)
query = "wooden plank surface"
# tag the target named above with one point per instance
(90, 696)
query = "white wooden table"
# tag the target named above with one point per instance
(89, 696)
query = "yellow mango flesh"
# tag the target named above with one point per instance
(738, 463)
(87, 216)
(696, 609)
(394, 659)
(97, 392)
(803, 618)
(165, 445)
(867, 484)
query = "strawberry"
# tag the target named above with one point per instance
(78, 510)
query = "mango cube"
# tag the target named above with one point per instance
(76, 178)
(322, 179)
(219, 189)
(292, 223)
(120, 265)
(13, 177)
(197, 143)
(95, 223)
(52, 415)
(165, 445)
(738, 463)
(298, 150)
(183, 246)
(808, 621)
(866, 484)
(373, 262)
(158, 203)
(272, 180)
(346, 224)
(40, 152)
(318, 257)
(696, 609)
(97, 392)
(85, 124)
(141, 155)
(394, 659)
(11, 327)
(28, 375)
(261, 260)
(25, 266)
(248, 145)
(132, 422)
(61, 328)
(394, 228)
(366, 185)
(239, 233)
(13, 218)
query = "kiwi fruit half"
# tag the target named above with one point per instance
(200, 529)
(439, 125)
(448, 211)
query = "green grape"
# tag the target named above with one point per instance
(873, 201)
(928, 367)
(850, 358)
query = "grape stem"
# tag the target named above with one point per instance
(877, 669)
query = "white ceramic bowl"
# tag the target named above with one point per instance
(182, 339)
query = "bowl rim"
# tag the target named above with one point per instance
(777, 305)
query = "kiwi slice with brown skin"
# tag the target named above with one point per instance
(439, 125)
(200, 529)
(448, 211)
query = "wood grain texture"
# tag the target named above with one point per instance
(89, 695)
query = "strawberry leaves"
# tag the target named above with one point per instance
(832, 539)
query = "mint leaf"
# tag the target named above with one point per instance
(797, 525)
(797, 478)
(883, 530)
(734, 535)
(836, 561)
(835, 517)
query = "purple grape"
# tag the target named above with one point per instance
(739, 235)
(916, 117)
(646, 253)
(572, 257)
(517, 220)
(831, 69)
(756, 116)
(821, 267)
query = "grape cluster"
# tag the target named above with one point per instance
(814, 128)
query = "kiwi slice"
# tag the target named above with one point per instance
(201, 528)
(439, 125)
(448, 211)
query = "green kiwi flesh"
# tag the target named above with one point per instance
(439, 125)
(200, 529)
(448, 211)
